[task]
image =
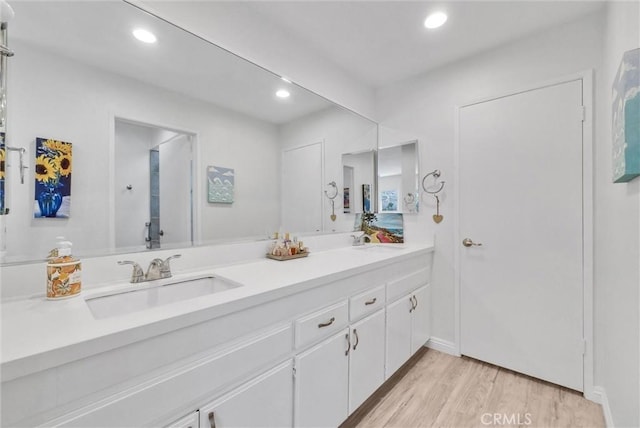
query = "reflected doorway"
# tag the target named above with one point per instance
(154, 171)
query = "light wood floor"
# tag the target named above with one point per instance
(439, 390)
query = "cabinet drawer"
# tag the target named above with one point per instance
(366, 303)
(321, 324)
(406, 284)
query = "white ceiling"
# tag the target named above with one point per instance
(380, 42)
(376, 42)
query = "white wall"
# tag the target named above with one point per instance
(131, 206)
(342, 132)
(56, 98)
(175, 191)
(617, 241)
(423, 108)
(233, 26)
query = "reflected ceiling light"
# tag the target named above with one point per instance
(435, 20)
(282, 93)
(144, 35)
(284, 79)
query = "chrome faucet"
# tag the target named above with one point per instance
(360, 239)
(158, 269)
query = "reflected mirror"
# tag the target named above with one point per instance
(96, 86)
(398, 176)
(358, 171)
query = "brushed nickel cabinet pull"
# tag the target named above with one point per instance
(346, 336)
(416, 300)
(328, 323)
(371, 302)
(412, 306)
(212, 420)
(355, 333)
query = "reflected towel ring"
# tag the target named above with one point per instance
(335, 190)
(436, 174)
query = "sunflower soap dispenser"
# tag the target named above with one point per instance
(63, 272)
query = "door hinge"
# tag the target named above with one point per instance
(584, 347)
(582, 113)
(293, 371)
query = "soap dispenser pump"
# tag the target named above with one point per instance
(64, 273)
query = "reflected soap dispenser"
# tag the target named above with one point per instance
(64, 277)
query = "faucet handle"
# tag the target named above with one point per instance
(175, 256)
(137, 275)
(165, 269)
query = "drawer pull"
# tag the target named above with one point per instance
(212, 420)
(328, 323)
(371, 302)
(355, 333)
(346, 336)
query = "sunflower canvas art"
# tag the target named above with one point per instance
(53, 178)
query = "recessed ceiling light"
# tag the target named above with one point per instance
(435, 20)
(282, 93)
(144, 35)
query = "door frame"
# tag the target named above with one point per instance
(587, 215)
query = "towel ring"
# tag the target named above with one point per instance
(335, 190)
(436, 174)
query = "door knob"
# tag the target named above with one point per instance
(469, 243)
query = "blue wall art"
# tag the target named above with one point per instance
(220, 184)
(53, 178)
(626, 118)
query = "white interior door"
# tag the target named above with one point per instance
(302, 189)
(521, 291)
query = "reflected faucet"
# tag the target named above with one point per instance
(360, 239)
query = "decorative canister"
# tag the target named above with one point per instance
(64, 272)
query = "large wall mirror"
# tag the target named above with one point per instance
(172, 144)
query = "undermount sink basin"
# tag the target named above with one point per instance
(157, 293)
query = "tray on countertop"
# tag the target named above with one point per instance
(283, 258)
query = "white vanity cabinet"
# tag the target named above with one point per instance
(336, 376)
(322, 383)
(266, 401)
(366, 359)
(408, 327)
(305, 355)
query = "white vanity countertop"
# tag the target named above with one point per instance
(38, 334)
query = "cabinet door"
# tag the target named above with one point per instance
(366, 363)
(266, 401)
(189, 421)
(398, 334)
(322, 383)
(421, 318)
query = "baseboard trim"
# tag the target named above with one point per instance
(599, 395)
(442, 345)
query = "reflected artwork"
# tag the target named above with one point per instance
(52, 178)
(220, 184)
